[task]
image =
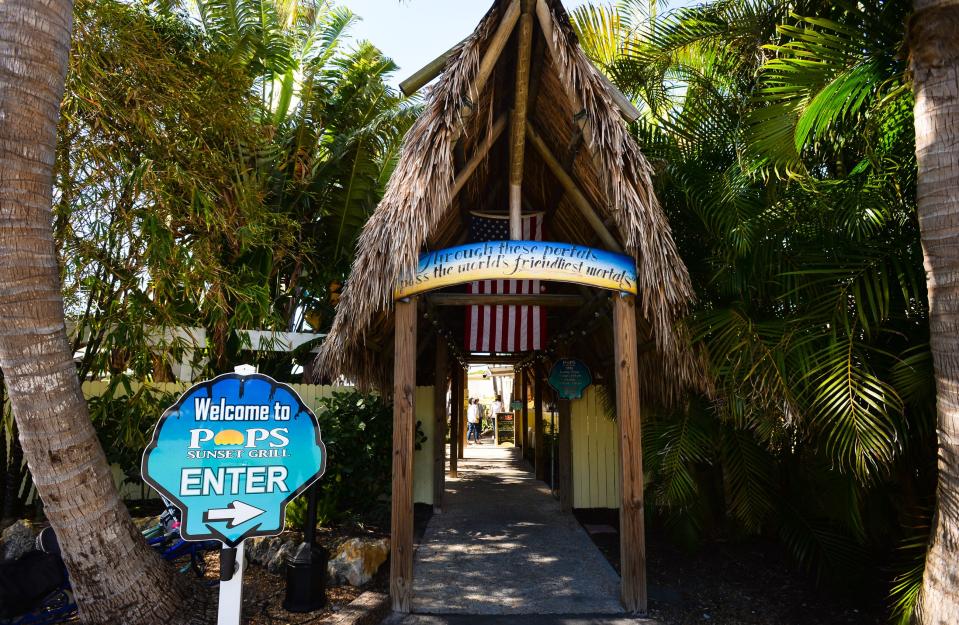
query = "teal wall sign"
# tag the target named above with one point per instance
(570, 377)
(231, 453)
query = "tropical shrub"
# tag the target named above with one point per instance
(357, 430)
(782, 135)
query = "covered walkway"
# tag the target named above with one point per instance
(503, 546)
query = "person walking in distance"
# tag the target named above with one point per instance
(473, 421)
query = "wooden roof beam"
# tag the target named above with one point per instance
(517, 147)
(488, 62)
(481, 151)
(426, 74)
(629, 112)
(578, 198)
(553, 300)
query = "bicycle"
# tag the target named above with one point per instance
(60, 607)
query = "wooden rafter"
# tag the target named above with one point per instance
(488, 62)
(427, 73)
(572, 189)
(554, 300)
(481, 151)
(517, 144)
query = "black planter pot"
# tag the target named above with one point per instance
(306, 581)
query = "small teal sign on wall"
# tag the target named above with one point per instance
(570, 377)
(231, 453)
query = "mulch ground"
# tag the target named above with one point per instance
(734, 583)
(264, 592)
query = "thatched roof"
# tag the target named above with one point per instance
(419, 212)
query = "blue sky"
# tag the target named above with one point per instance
(414, 32)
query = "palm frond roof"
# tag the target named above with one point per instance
(420, 210)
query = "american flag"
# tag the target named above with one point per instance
(505, 329)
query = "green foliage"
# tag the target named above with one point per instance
(215, 165)
(357, 430)
(157, 200)
(782, 134)
(906, 586)
(124, 419)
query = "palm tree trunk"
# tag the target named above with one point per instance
(117, 578)
(12, 482)
(934, 48)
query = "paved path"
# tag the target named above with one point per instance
(503, 546)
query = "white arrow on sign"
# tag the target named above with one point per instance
(237, 513)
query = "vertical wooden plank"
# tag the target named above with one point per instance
(631, 521)
(565, 455)
(456, 408)
(423, 467)
(580, 452)
(539, 440)
(404, 422)
(439, 423)
(597, 461)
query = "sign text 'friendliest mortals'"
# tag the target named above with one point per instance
(521, 260)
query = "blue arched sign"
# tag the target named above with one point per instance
(231, 453)
(520, 260)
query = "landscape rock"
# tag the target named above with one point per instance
(18, 539)
(357, 560)
(257, 548)
(278, 562)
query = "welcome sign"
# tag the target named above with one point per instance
(521, 260)
(231, 453)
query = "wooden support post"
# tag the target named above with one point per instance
(525, 418)
(439, 423)
(517, 395)
(539, 439)
(565, 455)
(518, 438)
(463, 399)
(632, 528)
(404, 423)
(517, 146)
(456, 407)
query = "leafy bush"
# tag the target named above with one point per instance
(357, 430)
(124, 419)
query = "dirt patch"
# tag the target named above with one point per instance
(732, 583)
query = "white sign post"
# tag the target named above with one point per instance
(231, 592)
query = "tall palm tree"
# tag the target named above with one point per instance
(782, 134)
(935, 64)
(116, 577)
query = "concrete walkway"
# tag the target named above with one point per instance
(503, 546)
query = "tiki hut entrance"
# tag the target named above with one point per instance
(520, 128)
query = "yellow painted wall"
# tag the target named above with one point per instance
(423, 459)
(595, 454)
